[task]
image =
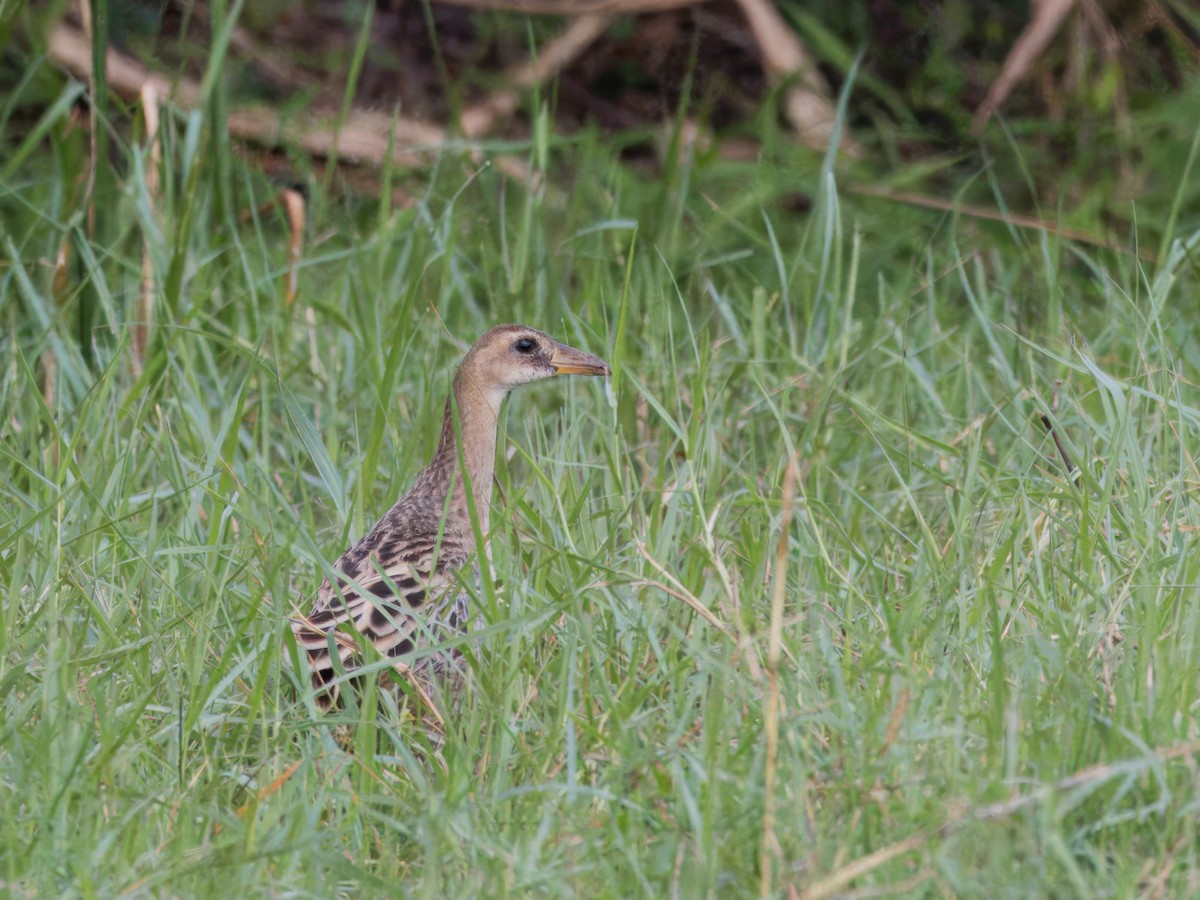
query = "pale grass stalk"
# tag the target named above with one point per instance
(293, 204)
(145, 309)
(678, 591)
(769, 848)
(728, 582)
(842, 878)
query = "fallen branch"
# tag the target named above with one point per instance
(1048, 16)
(366, 181)
(552, 59)
(807, 104)
(809, 108)
(71, 50)
(363, 136)
(573, 7)
(272, 67)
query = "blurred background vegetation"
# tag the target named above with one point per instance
(1099, 97)
(1054, 116)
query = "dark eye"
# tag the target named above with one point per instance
(524, 345)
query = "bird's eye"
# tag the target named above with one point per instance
(524, 345)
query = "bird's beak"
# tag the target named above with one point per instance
(569, 361)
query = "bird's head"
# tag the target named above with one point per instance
(509, 356)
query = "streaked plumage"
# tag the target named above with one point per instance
(398, 584)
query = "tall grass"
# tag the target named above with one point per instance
(988, 666)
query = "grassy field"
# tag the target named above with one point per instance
(937, 663)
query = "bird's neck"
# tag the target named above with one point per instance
(477, 411)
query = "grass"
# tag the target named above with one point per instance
(987, 671)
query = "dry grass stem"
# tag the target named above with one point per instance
(145, 309)
(769, 847)
(405, 671)
(840, 879)
(678, 591)
(991, 215)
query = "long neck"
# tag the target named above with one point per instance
(477, 410)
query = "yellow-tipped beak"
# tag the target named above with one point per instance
(569, 361)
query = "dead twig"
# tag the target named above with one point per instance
(552, 59)
(1155, 888)
(574, 7)
(807, 103)
(1071, 468)
(678, 591)
(70, 49)
(1048, 16)
(991, 215)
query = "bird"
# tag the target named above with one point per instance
(399, 585)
